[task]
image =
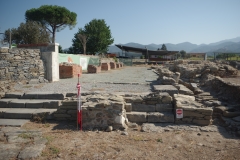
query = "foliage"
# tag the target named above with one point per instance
(99, 37)
(28, 33)
(60, 50)
(183, 53)
(55, 18)
(164, 47)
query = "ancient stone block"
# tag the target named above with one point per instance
(156, 117)
(137, 116)
(164, 107)
(143, 107)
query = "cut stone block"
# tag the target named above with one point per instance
(164, 117)
(137, 117)
(184, 90)
(166, 88)
(4, 103)
(17, 103)
(13, 95)
(128, 107)
(143, 107)
(13, 122)
(43, 95)
(19, 113)
(34, 104)
(164, 107)
(2, 111)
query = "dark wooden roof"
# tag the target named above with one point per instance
(145, 50)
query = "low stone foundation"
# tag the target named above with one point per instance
(67, 70)
(113, 65)
(98, 111)
(93, 69)
(105, 66)
(193, 112)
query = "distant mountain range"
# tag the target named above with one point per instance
(228, 45)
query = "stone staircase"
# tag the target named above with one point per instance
(150, 108)
(18, 108)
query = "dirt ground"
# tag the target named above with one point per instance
(64, 142)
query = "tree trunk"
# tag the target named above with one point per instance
(53, 34)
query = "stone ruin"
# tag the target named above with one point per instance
(202, 92)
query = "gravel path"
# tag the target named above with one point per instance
(127, 79)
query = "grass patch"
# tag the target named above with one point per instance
(25, 136)
(49, 139)
(46, 125)
(54, 150)
(27, 87)
(160, 140)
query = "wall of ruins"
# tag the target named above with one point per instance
(19, 65)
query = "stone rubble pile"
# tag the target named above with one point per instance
(193, 69)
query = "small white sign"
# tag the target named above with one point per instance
(179, 113)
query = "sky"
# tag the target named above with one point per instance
(141, 21)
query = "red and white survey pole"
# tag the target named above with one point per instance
(79, 107)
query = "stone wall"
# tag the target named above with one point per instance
(68, 70)
(193, 112)
(99, 111)
(20, 64)
(227, 92)
(152, 108)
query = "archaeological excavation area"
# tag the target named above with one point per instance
(177, 96)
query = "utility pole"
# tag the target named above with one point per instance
(10, 41)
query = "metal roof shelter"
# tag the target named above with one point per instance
(147, 53)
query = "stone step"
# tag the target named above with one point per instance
(26, 113)
(13, 122)
(136, 107)
(152, 117)
(170, 89)
(36, 95)
(29, 103)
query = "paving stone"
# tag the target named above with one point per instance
(13, 122)
(166, 88)
(32, 151)
(9, 151)
(137, 116)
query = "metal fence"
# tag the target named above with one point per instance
(126, 61)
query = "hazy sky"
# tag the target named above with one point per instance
(141, 21)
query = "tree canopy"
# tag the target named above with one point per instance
(183, 53)
(28, 33)
(164, 47)
(99, 37)
(55, 18)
